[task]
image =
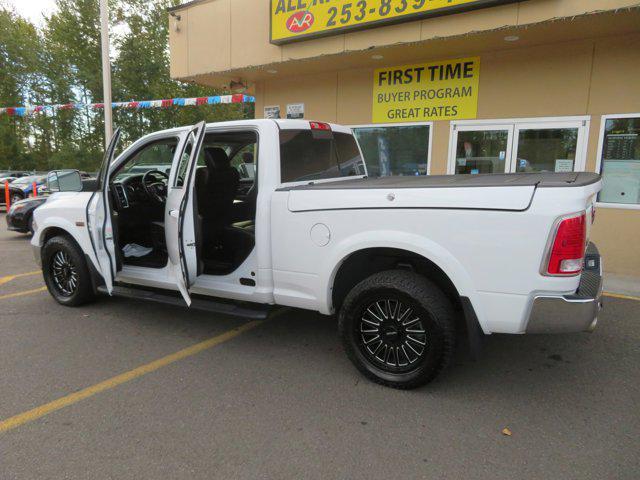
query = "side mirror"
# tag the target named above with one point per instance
(64, 181)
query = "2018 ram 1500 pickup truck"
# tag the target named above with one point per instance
(244, 216)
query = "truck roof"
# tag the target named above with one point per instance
(539, 180)
(284, 124)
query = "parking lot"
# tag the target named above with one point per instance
(123, 389)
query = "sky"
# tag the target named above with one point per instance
(32, 9)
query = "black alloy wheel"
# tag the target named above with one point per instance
(64, 273)
(392, 335)
(398, 328)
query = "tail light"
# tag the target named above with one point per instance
(566, 255)
(320, 126)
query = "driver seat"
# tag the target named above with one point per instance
(221, 188)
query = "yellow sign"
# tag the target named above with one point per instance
(293, 20)
(444, 90)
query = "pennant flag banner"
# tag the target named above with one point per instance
(172, 102)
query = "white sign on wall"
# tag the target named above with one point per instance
(272, 111)
(564, 165)
(295, 110)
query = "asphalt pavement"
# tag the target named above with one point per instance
(116, 389)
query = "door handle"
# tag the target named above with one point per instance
(173, 213)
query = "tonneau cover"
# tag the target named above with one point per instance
(538, 180)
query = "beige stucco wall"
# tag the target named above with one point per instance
(588, 77)
(575, 65)
(226, 35)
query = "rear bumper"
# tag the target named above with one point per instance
(577, 312)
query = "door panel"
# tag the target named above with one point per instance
(180, 229)
(99, 219)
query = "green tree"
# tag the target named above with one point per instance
(61, 64)
(19, 45)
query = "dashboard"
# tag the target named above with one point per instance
(129, 191)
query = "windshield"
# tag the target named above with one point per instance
(154, 156)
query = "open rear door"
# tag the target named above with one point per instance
(180, 215)
(99, 219)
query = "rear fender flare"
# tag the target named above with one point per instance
(416, 244)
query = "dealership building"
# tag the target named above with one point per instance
(434, 87)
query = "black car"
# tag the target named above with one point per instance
(15, 194)
(20, 215)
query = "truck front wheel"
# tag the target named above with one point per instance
(398, 328)
(65, 272)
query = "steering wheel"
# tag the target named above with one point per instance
(155, 190)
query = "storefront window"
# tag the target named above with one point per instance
(620, 161)
(395, 150)
(547, 150)
(519, 146)
(481, 151)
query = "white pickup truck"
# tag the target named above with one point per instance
(239, 217)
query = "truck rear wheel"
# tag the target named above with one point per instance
(65, 272)
(398, 329)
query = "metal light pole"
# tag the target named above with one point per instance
(106, 72)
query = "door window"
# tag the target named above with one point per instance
(547, 150)
(482, 151)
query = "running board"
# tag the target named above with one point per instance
(257, 312)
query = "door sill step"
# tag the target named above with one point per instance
(253, 312)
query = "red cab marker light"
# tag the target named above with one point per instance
(320, 126)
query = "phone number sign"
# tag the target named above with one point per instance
(294, 20)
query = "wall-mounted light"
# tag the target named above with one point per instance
(237, 86)
(177, 20)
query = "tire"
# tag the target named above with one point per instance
(61, 261)
(30, 226)
(406, 363)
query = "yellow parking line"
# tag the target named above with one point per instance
(47, 408)
(22, 294)
(8, 278)
(624, 297)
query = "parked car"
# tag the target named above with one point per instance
(5, 174)
(407, 263)
(15, 193)
(25, 184)
(20, 215)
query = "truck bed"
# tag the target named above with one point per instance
(538, 180)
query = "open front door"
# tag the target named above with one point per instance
(180, 214)
(99, 219)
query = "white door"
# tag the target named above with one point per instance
(180, 217)
(99, 219)
(482, 148)
(522, 146)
